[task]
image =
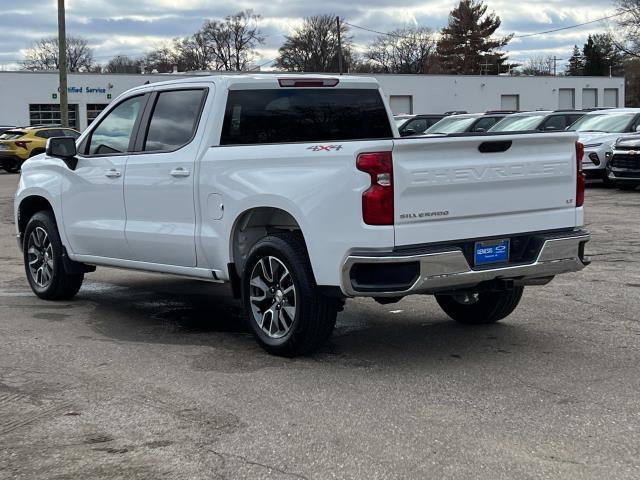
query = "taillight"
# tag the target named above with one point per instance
(579, 175)
(377, 200)
(22, 143)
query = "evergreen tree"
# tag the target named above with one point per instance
(467, 45)
(601, 57)
(576, 63)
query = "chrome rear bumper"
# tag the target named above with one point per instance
(449, 269)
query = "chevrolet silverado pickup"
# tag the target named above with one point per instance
(299, 192)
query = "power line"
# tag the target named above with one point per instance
(571, 26)
(577, 25)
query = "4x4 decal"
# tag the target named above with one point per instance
(325, 148)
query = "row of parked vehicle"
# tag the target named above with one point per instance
(610, 136)
(17, 144)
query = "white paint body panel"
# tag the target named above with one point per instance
(149, 220)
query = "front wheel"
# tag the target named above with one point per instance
(478, 308)
(43, 260)
(285, 311)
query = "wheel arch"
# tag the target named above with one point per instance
(30, 205)
(255, 223)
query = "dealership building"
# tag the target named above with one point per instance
(31, 98)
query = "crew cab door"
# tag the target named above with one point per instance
(159, 180)
(92, 200)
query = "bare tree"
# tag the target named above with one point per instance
(314, 47)
(231, 43)
(539, 65)
(406, 50)
(122, 64)
(43, 55)
(627, 35)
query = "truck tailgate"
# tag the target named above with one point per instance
(448, 189)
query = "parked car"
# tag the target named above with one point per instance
(541, 121)
(296, 191)
(4, 128)
(470, 122)
(417, 124)
(598, 131)
(19, 144)
(623, 169)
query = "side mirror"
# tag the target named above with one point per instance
(63, 148)
(638, 128)
(551, 128)
(408, 132)
(479, 130)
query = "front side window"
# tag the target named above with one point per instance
(115, 130)
(419, 125)
(174, 120)
(555, 122)
(485, 124)
(304, 115)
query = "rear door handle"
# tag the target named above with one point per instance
(113, 173)
(180, 172)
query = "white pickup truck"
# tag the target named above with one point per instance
(299, 191)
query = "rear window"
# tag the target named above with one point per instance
(303, 115)
(11, 135)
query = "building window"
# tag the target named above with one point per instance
(510, 102)
(49, 114)
(589, 98)
(93, 110)
(567, 99)
(401, 104)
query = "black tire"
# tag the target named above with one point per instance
(12, 166)
(36, 151)
(314, 316)
(480, 308)
(60, 285)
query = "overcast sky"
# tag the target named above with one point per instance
(132, 27)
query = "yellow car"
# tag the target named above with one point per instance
(20, 143)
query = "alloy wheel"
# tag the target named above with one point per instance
(273, 298)
(40, 257)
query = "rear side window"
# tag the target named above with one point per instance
(174, 120)
(303, 115)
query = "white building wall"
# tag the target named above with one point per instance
(425, 93)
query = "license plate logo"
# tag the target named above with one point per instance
(492, 251)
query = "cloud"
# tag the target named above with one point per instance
(132, 27)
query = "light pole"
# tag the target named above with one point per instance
(62, 65)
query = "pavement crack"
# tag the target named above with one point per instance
(225, 455)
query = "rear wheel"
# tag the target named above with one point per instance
(12, 166)
(285, 311)
(43, 260)
(480, 307)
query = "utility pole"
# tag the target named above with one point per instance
(339, 46)
(555, 66)
(62, 65)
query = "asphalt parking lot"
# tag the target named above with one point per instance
(150, 377)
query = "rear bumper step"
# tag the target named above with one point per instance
(393, 274)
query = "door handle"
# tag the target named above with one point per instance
(180, 172)
(113, 173)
